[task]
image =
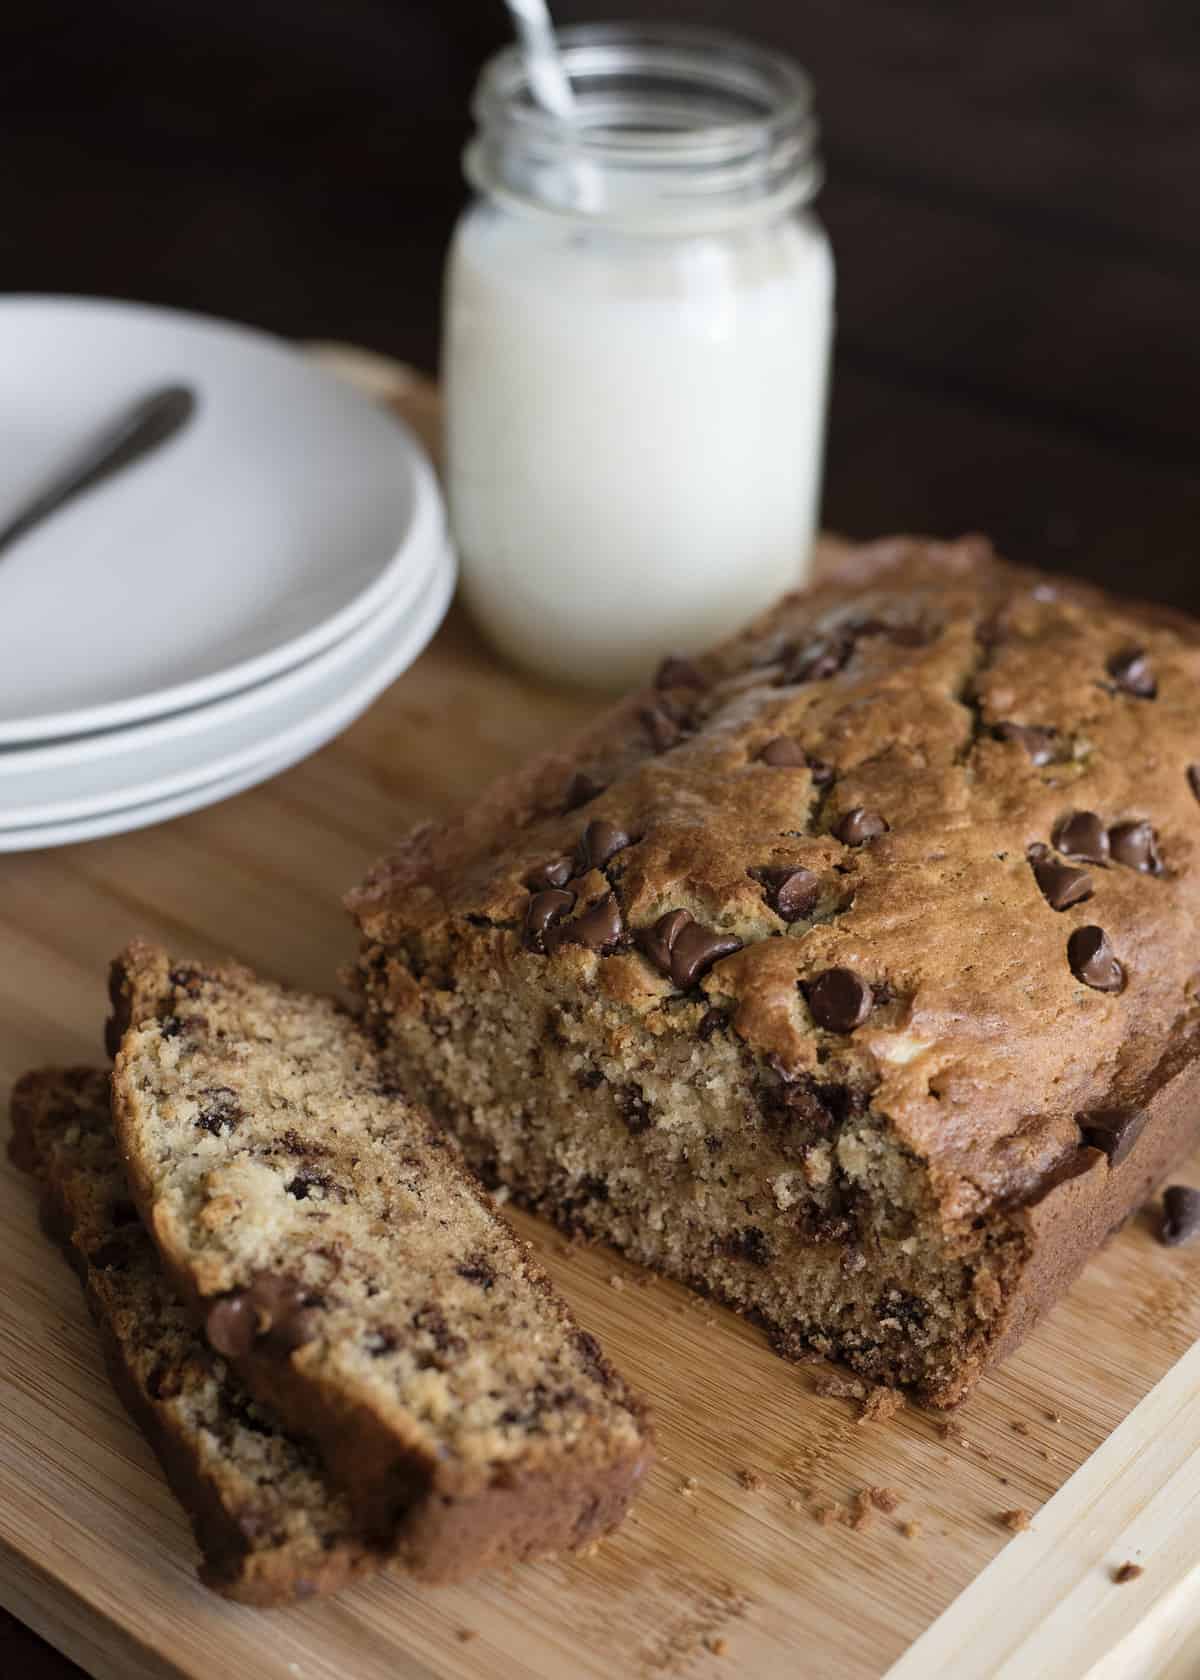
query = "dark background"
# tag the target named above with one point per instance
(1013, 195)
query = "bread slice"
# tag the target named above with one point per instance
(327, 1237)
(268, 1525)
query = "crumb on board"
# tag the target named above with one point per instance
(881, 1405)
(1127, 1572)
(750, 1480)
(718, 1646)
(467, 1634)
(795, 1505)
(827, 1515)
(911, 1529)
(615, 1282)
(884, 1499)
(1053, 1417)
(1018, 1520)
(861, 1515)
(1020, 1427)
(688, 1485)
(833, 1385)
(952, 1433)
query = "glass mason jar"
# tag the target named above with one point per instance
(638, 319)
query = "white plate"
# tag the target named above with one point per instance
(275, 755)
(34, 773)
(275, 522)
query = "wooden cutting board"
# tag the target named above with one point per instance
(710, 1576)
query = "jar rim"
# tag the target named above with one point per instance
(717, 117)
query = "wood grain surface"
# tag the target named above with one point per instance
(710, 1576)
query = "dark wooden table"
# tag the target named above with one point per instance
(1010, 195)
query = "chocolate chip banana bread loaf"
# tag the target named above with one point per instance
(848, 973)
(267, 1523)
(325, 1235)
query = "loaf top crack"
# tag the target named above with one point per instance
(338, 1255)
(929, 830)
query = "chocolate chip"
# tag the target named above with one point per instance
(478, 1269)
(818, 660)
(1181, 1215)
(1041, 745)
(1092, 961)
(1193, 776)
(791, 893)
(601, 841)
(662, 729)
(751, 1243)
(860, 825)
(683, 949)
(548, 875)
(285, 1319)
(599, 929)
(1135, 844)
(1131, 670)
(232, 1325)
(678, 672)
(542, 911)
(1061, 885)
(839, 1000)
(695, 950)
(219, 1111)
(631, 1105)
(1082, 835)
(581, 790)
(784, 754)
(657, 941)
(1113, 1130)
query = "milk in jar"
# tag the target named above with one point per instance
(637, 335)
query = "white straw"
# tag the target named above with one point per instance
(547, 74)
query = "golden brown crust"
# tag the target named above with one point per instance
(916, 734)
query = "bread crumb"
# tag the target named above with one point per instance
(795, 1505)
(952, 1433)
(467, 1634)
(1020, 1427)
(718, 1646)
(884, 1499)
(832, 1385)
(860, 1515)
(1127, 1572)
(751, 1481)
(911, 1529)
(688, 1485)
(1018, 1520)
(616, 1283)
(827, 1515)
(1053, 1417)
(881, 1405)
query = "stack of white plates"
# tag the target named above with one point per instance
(215, 612)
